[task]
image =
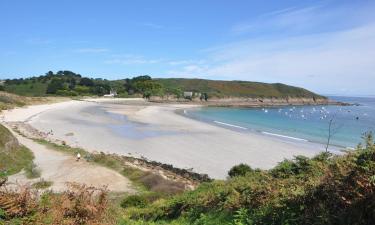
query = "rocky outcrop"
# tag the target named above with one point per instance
(248, 102)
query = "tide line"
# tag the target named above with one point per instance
(230, 125)
(283, 136)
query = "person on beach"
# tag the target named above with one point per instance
(78, 156)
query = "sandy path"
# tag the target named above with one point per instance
(62, 168)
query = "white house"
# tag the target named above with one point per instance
(112, 93)
(188, 94)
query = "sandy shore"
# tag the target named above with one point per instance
(156, 132)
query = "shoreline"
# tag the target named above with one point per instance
(336, 148)
(245, 102)
(180, 141)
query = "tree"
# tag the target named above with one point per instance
(141, 78)
(86, 82)
(204, 96)
(239, 170)
(55, 85)
(148, 88)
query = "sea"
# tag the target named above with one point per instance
(300, 123)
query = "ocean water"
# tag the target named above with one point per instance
(299, 123)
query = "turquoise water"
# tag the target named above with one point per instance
(301, 123)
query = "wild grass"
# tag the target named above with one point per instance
(216, 88)
(32, 171)
(80, 204)
(13, 156)
(42, 184)
(145, 181)
(326, 189)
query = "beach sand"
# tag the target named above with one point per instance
(156, 132)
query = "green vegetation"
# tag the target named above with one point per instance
(8, 101)
(215, 88)
(323, 190)
(13, 156)
(67, 83)
(42, 184)
(239, 170)
(148, 183)
(63, 83)
(32, 171)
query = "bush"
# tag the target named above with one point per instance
(42, 184)
(157, 183)
(239, 170)
(32, 171)
(134, 200)
(66, 93)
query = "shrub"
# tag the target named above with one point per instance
(239, 170)
(32, 171)
(134, 200)
(42, 184)
(157, 183)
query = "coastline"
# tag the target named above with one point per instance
(336, 149)
(177, 140)
(249, 102)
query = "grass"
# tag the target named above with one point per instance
(10, 101)
(13, 156)
(78, 205)
(146, 182)
(326, 189)
(216, 88)
(42, 184)
(28, 89)
(32, 171)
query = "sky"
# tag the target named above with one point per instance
(324, 46)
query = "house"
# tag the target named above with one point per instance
(112, 93)
(188, 94)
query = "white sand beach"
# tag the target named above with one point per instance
(156, 132)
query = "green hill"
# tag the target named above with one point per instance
(216, 88)
(68, 83)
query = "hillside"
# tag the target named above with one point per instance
(68, 83)
(216, 88)
(13, 156)
(9, 100)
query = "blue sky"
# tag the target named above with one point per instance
(326, 46)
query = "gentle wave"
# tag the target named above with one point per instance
(284, 136)
(230, 125)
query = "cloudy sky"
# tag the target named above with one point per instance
(325, 46)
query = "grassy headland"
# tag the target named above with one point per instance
(67, 83)
(217, 88)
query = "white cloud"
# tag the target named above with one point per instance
(291, 46)
(321, 62)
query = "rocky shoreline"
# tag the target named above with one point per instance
(249, 102)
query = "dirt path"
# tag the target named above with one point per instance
(61, 168)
